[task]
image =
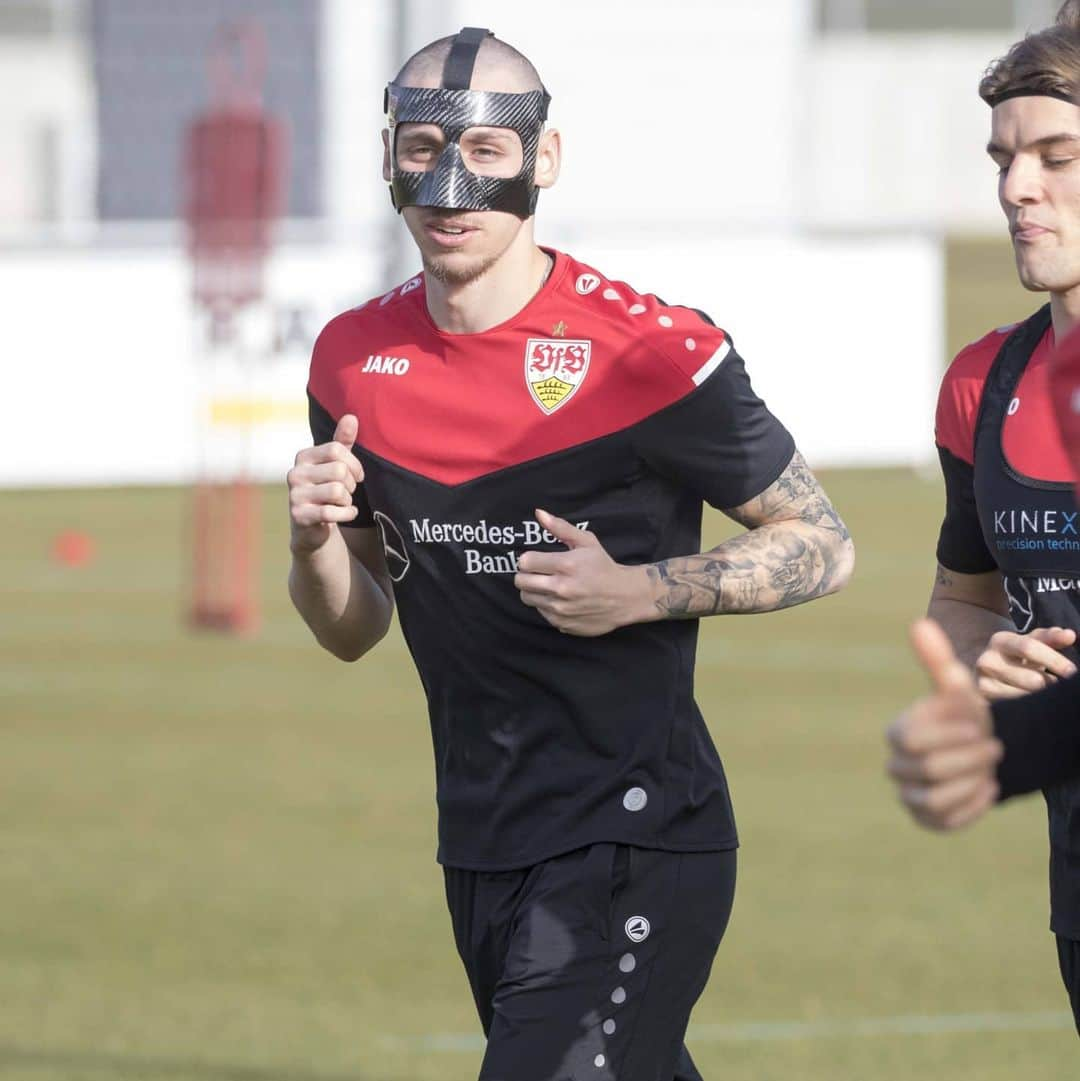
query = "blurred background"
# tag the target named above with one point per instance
(216, 849)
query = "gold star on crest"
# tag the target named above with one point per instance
(559, 330)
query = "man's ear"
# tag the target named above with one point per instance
(548, 158)
(386, 155)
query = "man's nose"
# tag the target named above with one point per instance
(1022, 185)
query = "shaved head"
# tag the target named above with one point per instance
(499, 67)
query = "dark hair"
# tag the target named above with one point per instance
(1047, 62)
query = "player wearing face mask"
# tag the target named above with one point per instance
(515, 448)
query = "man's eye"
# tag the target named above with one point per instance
(1056, 163)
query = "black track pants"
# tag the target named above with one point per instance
(586, 967)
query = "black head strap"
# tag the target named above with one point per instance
(1031, 93)
(458, 69)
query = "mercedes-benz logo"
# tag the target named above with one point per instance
(1021, 604)
(397, 556)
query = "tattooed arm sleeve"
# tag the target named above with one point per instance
(796, 548)
(722, 442)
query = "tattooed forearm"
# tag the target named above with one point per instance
(796, 548)
(768, 568)
(795, 496)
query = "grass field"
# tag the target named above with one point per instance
(217, 854)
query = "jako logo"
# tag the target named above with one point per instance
(386, 365)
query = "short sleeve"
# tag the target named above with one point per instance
(961, 545)
(322, 431)
(719, 440)
(957, 411)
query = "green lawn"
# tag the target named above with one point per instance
(216, 854)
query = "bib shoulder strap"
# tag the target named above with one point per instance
(1009, 364)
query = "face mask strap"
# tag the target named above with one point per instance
(458, 69)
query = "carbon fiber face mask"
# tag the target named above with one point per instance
(455, 109)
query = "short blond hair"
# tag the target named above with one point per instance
(1047, 62)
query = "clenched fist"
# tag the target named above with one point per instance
(321, 486)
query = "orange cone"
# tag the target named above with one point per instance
(73, 548)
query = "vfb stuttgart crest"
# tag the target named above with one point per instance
(554, 369)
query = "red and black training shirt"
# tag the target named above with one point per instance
(616, 412)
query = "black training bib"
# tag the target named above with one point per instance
(1032, 528)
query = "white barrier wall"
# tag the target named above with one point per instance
(103, 385)
(843, 336)
(103, 381)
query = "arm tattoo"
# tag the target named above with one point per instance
(943, 576)
(796, 548)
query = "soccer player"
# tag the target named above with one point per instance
(1008, 584)
(953, 754)
(515, 449)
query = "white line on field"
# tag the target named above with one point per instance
(774, 1031)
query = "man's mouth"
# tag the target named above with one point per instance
(448, 232)
(1028, 230)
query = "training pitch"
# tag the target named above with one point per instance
(216, 856)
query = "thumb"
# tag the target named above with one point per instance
(348, 428)
(564, 531)
(936, 655)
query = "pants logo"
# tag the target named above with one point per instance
(637, 928)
